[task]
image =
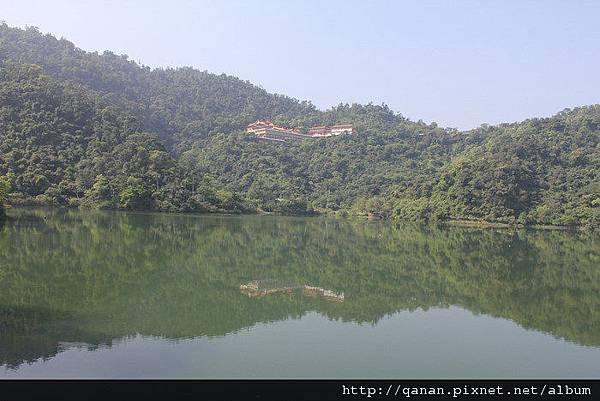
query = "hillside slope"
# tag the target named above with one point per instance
(81, 128)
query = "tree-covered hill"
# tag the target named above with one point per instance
(63, 146)
(544, 171)
(179, 104)
(99, 130)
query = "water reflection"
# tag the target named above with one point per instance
(85, 279)
(262, 288)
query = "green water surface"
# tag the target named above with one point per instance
(113, 294)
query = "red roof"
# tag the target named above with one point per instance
(321, 130)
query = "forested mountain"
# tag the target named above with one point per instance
(99, 130)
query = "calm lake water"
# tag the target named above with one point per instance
(108, 294)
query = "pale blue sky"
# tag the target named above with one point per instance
(459, 63)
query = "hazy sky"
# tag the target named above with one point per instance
(459, 63)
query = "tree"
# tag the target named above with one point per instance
(5, 186)
(100, 195)
(134, 195)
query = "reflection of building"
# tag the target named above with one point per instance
(322, 293)
(255, 289)
(268, 131)
(263, 288)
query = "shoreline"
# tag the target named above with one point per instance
(489, 224)
(481, 224)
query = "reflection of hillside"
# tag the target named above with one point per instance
(92, 277)
(28, 334)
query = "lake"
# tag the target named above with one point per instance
(128, 295)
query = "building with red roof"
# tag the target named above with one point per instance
(266, 130)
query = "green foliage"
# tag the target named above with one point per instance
(5, 186)
(296, 206)
(413, 209)
(541, 171)
(68, 116)
(100, 195)
(229, 201)
(134, 195)
(376, 207)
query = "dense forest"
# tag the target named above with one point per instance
(101, 131)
